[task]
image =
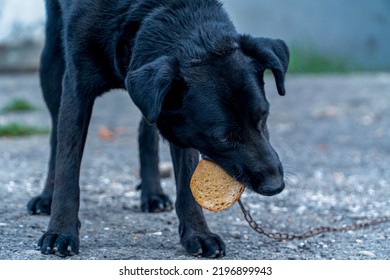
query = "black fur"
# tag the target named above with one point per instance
(194, 78)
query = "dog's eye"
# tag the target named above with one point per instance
(222, 140)
(225, 142)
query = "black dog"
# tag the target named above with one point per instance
(194, 78)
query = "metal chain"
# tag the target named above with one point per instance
(309, 233)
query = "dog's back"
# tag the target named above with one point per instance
(105, 31)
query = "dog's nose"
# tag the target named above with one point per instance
(271, 189)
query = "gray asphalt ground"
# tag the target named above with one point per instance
(331, 132)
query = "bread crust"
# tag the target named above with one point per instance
(213, 188)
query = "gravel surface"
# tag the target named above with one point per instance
(331, 132)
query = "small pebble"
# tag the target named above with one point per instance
(292, 246)
(236, 234)
(367, 254)
(165, 169)
(304, 245)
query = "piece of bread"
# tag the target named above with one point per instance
(213, 188)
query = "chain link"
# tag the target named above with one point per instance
(309, 233)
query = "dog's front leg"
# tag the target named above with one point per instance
(153, 198)
(62, 236)
(195, 235)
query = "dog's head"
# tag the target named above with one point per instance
(218, 106)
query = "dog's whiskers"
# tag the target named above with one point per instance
(290, 174)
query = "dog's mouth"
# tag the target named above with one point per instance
(267, 186)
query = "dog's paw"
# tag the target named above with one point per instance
(207, 245)
(39, 205)
(156, 203)
(61, 245)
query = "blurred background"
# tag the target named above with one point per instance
(324, 35)
(331, 131)
(21, 34)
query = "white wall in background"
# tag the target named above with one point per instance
(21, 20)
(355, 30)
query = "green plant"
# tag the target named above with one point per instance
(309, 61)
(19, 105)
(15, 130)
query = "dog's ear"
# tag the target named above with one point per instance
(270, 54)
(149, 84)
